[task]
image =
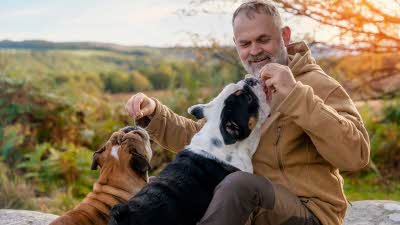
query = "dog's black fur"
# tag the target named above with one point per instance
(178, 196)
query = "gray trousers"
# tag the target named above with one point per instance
(246, 199)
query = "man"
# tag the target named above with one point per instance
(313, 132)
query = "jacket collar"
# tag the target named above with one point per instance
(297, 48)
(300, 59)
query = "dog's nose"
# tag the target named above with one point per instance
(142, 133)
(137, 133)
(129, 129)
(251, 81)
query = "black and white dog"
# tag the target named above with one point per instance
(226, 143)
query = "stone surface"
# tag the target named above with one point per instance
(24, 217)
(360, 213)
(373, 212)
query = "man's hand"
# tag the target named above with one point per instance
(278, 79)
(139, 105)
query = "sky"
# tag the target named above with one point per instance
(126, 22)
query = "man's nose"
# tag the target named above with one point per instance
(255, 49)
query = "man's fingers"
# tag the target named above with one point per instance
(128, 106)
(136, 106)
(145, 111)
(139, 105)
(264, 74)
(270, 70)
(272, 65)
(270, 85)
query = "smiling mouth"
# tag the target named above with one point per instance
(260, 60)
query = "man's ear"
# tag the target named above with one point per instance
(197, 111)
(286, 33)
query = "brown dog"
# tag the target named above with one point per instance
(124, 162)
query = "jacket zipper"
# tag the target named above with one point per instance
(279, 157)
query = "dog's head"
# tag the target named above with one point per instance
(237, 109)
(127, 151)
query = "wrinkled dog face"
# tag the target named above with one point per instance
(129, 146)
(236, 109)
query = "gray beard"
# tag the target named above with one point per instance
(281, 58)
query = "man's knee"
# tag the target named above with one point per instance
(247, 187)
(244, 181)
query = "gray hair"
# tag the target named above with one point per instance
(258, 6)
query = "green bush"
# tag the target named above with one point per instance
(384, 133)
(29, 115)
(116, 82)
(49, 139)
(15, 193)
(67, 167)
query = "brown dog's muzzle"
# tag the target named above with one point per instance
(135, 141)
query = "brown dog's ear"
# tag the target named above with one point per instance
(94, 161)
(139, 163)
(96, 156)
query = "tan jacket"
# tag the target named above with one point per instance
(311, 134)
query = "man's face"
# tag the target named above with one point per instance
(258, 41)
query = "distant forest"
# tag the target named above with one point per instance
(109, 67)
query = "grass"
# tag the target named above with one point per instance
(371, 187)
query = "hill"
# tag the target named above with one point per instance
(175, 52)
(110, 67)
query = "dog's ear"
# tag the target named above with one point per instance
(197, 111)
(140, 163)
(95, 164)
(96, 156)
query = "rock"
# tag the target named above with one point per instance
(373, 212)
(24, 217)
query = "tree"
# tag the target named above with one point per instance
(363, 25)
(369, 25)
(139, 82)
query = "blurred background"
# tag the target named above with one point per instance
(68, 67)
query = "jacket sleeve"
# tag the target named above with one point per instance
(334, 125)
(168, 129)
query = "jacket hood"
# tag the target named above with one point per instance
(300, 59)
